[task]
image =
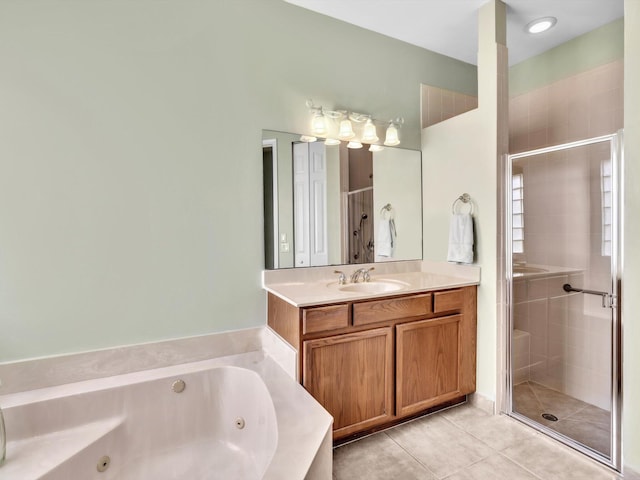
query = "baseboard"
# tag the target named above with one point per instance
(483, 403)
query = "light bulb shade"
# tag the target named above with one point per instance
(319, 124)
(307, 138)
(392, 136)
(346, 130)
(332, 141)
(370, 135)
(376, 148)
(354, 145)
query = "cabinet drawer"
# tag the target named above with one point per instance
(322, 319)
(390, 309)
(447, 301)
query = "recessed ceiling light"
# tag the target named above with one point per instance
(541, 25)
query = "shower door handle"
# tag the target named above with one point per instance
(608, 300)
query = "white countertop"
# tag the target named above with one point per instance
(531, 270)
(322, 288)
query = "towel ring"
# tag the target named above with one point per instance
(386, 210)
(464, 198)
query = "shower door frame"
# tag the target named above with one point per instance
(617, 156)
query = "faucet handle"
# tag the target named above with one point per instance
(365, 274)
(342, 278)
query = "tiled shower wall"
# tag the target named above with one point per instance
(556, 344)
(568, 336)
(439, 104)
(581, 106)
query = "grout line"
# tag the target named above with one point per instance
(411, 455)
(520, 466)
(465, 467)
(535, 395)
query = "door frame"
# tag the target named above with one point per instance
(273, 144)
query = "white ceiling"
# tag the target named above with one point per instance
(450, 26)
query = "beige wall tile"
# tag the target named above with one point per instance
(439, 104)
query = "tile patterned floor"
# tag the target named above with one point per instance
(581, 421)
(463, 443)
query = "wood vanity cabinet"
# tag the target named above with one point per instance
(351, 376)
(371, 363)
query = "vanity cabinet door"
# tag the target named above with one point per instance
(352, 377)
(428, 363)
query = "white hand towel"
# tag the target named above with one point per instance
(461, 238)
(384, 242)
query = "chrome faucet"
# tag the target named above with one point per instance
(342, 278)
(364, 272)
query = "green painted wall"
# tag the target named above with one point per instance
(130, 159)
(583, 53)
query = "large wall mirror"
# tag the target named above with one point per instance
(333, 205)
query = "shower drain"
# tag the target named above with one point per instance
(550, 417)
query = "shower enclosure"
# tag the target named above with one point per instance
(563, 275)
(359, 202)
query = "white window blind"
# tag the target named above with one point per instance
(517, 212)
(606, 193)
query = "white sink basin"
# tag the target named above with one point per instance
(373, 286)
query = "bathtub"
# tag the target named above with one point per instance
(236, 417)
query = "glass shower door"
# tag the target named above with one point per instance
(563, 224)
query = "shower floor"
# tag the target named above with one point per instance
(581, 421)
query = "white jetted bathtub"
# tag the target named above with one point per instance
(237, 417)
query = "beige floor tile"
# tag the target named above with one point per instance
(581, 421)
(439, 445)
(551, 461)
(589, 434)
(631, 475)
(499, 431)
(495, 467)
(376, 458)
(463, 414)
(593, 414)
(560, 404)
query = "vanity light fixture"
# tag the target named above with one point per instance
(348, 125)
(307, 138)
(540, 25)
(391, 138)
(354, 145)
(319, 124)
(375, 148)
(346, 130)
(370, 135)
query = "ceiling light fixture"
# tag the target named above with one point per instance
(348, 125)
(540, 25)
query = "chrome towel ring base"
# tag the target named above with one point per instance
(464, 198)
